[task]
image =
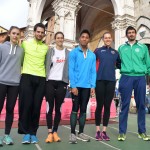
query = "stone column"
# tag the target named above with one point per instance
(119, 25)
(65, 19)
(50, 31)
(124, 16)
(34, 15)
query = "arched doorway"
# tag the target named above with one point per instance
(97, 16)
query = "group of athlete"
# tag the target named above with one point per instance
(33, 70)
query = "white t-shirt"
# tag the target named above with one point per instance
(58, 60)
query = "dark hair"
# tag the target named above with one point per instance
(85, 31)
(130, 28)
(105, 34)
(41, 25)
(59, 32)
(11, 28)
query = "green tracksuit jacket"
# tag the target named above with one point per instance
(135, 59)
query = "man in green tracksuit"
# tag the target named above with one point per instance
(32, 85)
(135, 65)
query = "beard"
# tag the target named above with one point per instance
(131, 38)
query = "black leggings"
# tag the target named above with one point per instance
(81, 102)
(30, 99)
(104, 95)
(12, 93)
(55, 93)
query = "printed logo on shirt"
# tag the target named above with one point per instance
(103, 51)
(113, 52)
(137, 50)
(60, 60)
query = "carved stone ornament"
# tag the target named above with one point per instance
(122, 22)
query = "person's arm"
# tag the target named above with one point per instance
(71, 69)
(119, 52)
(93, 76)
(22, 59)
(95, 52)
(149, 82)
(147, 59)
(97, 59)
(118, 62)
(0, 54)
(46, 57)
(72, 62)
(22, 46)
(147, 62)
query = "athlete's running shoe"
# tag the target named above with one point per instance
(56, 137)
(34, 139)
(8, 140)
(104, 136)
(121, 137)
(72, 139)
(83, 137)
(98, 136)
(49, 138)
(1, 143)
(26, 139)
(143, 136)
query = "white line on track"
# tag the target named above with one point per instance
(147, 120)
(38, 147)
(118, 130)
(127, 131)
(94, 139)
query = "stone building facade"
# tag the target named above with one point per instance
(142, 17)
(98, 16)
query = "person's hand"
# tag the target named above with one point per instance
(149, 82)
(92, 92)
(74, 91)
(148, 87)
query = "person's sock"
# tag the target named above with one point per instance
(82, 119)
(73, 121)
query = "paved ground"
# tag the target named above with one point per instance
(132, 142)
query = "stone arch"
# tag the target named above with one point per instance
(122, 16)
(120, 12)
(40, 7)
(118, 5)
(142, 20)
(143, 25)
(95, 20)
(35, 11)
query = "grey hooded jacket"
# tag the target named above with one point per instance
(11, 58)
(48, 62)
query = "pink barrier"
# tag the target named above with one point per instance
(93, 108)
(43, 110)
(16, 116)
(92, 102)
(3, 113)
(65, 109)
(113, 112)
